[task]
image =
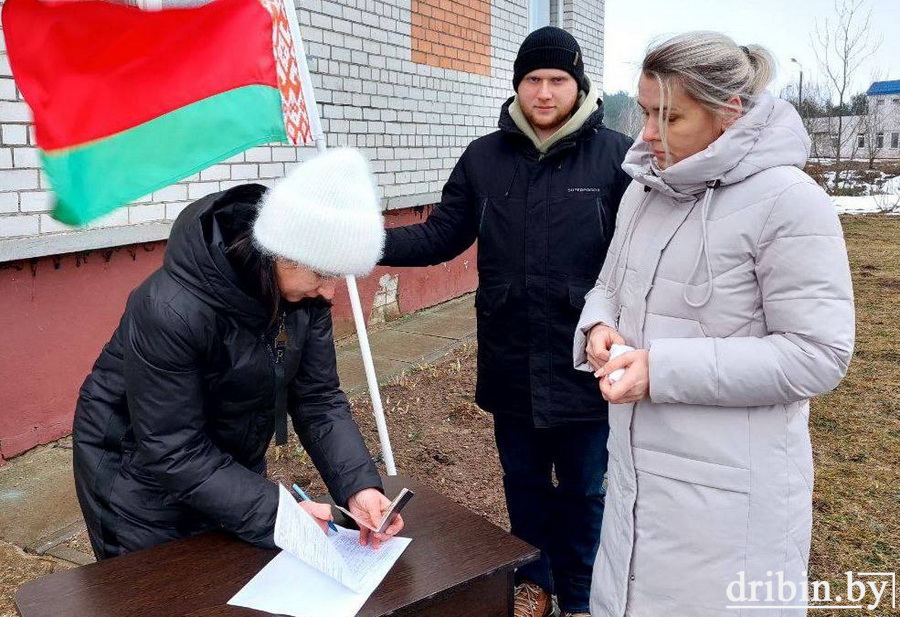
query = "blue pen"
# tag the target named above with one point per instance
(305, 497)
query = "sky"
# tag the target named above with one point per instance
(783, 26)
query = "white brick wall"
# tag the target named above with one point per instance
(412, 120)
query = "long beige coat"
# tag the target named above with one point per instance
(730, 266)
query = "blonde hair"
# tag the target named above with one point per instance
(711, 68)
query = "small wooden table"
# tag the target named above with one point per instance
(457, 564)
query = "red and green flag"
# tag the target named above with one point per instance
(127, 101)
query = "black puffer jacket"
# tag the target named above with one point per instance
(543, 225)
(172, 424)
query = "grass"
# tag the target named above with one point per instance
(856, 428)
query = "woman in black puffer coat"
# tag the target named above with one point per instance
(213, 352)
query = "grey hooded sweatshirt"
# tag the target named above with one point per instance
(730, 266)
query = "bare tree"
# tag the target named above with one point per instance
(813, 111)
(841, 44)
(871, 127)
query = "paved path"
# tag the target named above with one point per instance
(38, 508)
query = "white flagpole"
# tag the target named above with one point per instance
(358, 318)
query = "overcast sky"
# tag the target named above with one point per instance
(784, 26)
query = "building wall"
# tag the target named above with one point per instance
(410, 82)
(57, 312)
(883, 118)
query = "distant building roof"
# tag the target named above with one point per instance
(884, 87)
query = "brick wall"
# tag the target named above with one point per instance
(412, 114)
(452, 34)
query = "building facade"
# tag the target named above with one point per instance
(874, 135)
(410, 82)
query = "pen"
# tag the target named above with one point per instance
(305, 497)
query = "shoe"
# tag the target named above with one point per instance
(533, 601)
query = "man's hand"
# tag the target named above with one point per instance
(600, 339)
(321, 513)
(369, 505)
(634, 385)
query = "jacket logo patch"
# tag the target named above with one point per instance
(584, 189)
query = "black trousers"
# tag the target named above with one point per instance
(562, 519)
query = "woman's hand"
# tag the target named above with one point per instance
(321, 513)
(369, 505)
(634, 385)
(600, 338)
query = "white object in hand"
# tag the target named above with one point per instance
(614, 352)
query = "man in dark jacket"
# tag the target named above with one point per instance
(541, 196)
(214, 350)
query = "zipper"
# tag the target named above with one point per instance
(484, 205)
(600, 217)
(279, 351)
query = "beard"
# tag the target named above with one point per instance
(547, 122)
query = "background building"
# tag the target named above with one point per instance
(411, 82)
(873, 135)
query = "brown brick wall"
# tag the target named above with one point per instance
(452, 34)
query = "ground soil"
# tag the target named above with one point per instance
(439, 436)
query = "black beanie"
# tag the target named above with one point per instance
(550, 48)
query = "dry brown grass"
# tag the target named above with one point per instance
(856, 428)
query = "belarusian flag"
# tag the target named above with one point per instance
(127, 101)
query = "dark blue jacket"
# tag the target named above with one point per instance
(543, 225)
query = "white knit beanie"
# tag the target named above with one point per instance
(324, 215)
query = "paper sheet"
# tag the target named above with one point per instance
(297, 533)
(297, 584)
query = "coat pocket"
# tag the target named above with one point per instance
(693, 471)
(577, 293)
(691, 527)
(491, 298)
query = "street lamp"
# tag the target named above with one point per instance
(800, 94)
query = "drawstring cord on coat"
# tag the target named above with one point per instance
(711, 186)
(625, 247)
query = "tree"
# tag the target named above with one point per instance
(841, 45)
(622, 113)
(859, 104)
(813, 111)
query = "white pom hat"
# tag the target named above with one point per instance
(324, 215)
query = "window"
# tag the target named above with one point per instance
(896, 100)
(879, 140)
(835, 142)
(544, 13)
(860, 140)
(538, 14)
(879, 102)
(895, 140)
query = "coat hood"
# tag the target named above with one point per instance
(195, 253)
(770, 134)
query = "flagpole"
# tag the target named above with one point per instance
(387, 452)
(368, 364)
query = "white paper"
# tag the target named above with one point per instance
(298, 533)
(317, 575)
(289, 586)
(614, 352)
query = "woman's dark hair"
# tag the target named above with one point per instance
(256, 271)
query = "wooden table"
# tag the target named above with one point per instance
(457, 564)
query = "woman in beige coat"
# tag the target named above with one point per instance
(728, 274)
